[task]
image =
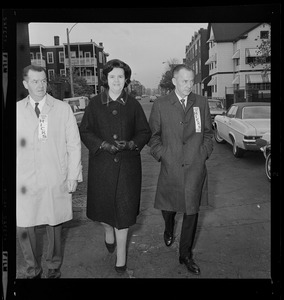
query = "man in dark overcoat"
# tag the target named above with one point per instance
(182, 141)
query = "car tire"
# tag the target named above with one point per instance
(268, 166)
(217, 137)
(238, 152)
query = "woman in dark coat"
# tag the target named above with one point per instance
(114, 129)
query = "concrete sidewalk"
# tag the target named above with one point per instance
(232, 241)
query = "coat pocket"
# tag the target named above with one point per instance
(204, 152)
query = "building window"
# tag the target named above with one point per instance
(62, 72)
(88, 57)
(100, 57)
(61, 57)
(251, 59)
(38, 56)
(196, 67)
(50, 58)
(32, 55)
(259, 86)
(264, 34)
(50, 74)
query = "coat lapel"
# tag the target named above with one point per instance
(30, 115)
(49, 102)
(122, 99)
(175, 102)
(190, 101)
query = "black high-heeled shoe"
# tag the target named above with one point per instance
(110, 247)
(120, 269)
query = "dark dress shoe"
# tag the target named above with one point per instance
(53, 273)
(120, 269)
(168, 238)
(110, 247)
(190, 264)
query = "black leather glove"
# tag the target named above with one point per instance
(109, 147)
(125, 145)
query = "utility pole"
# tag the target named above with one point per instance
(70, 63)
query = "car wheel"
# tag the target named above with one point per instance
(217, 137)
(268, 166)
(238, 152)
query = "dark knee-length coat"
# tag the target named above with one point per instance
(114, 181)
(182, 142)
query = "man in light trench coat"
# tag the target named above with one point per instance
(48, 170)
(182, 141)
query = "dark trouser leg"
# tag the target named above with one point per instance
(188, 230)
(54, 251)
(169, 217)
(28, 242)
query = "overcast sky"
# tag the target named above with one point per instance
(143, 46)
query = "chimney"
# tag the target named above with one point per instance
(56, 40)
(101, 44)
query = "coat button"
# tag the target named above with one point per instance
(115, 136)
(114, 112)
(116, 159)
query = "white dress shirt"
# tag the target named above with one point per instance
(40, 103)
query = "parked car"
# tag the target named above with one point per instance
(79, 116)
(152, 98)
(242, 125)
(138, 97)
(265, 147)
(77, 103)
(216, 107)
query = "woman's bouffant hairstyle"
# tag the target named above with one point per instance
(116, 63)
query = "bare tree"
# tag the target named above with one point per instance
(166, 81)
(264, 54)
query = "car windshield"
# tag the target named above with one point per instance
(256, 112)
(215, 104)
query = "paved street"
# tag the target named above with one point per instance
(233, 235)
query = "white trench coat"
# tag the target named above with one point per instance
(44, 166)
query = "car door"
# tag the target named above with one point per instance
(232, 124)
(225, 123)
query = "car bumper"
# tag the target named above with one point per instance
(250, 144)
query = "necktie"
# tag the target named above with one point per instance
(37, 109)
(182, 103)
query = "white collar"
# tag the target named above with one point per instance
(41, 102)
